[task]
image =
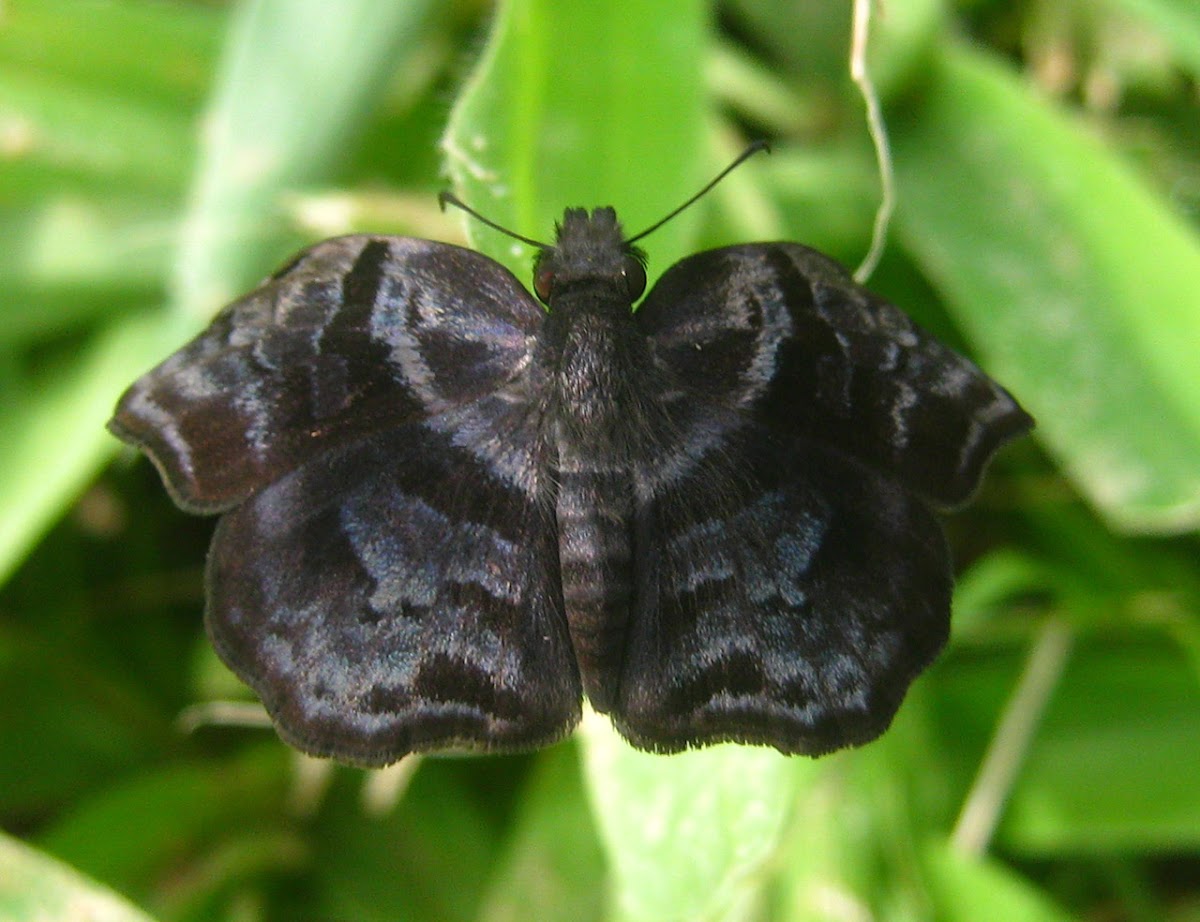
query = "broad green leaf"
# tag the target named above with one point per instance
(744, 83)
(98, 142)
(428, 859)
(848, 851)
(36, 888)
(1114, 762)
(295, 82)
(824, 861)
(136, 831)
(158, 53)
(182, 836)
(969, 889)
(583, 104)
(65, 134)
(990, 583)
(1177, 22)
(688, 836)
(902, 38)
(1074, 282)
(68, 720)
(552, 867)
(826, 198)
(72, 260)
(776, 25)
(1111, 765)
(52, 435)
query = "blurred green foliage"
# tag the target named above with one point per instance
(156, 157)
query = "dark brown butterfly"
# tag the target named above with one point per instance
(447, 513)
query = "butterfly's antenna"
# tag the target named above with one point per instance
(750, 151)
(449, 198)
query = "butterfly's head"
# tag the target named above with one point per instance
(589, 249)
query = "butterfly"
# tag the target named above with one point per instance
(448, 513)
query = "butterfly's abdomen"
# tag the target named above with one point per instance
(590, 351)
(594, 511)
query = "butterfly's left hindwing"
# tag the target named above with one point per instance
(400, 595)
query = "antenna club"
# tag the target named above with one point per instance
(446, 197)
(751, 149)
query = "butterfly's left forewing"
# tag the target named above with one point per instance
(386, 573)
(355, 335)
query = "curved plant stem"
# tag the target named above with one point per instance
(860, 73)
(1007, 750)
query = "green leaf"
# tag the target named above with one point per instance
(64, 134)
(273, 124)
(1111, 765)
(1114, 762)
(968, 889)
(158, 53)
(137, 830)
(428, 859)
(775, 26)
(52, 435)
(36, 888)
(688, 836)
(1074, 282)
(552, 866)
(901, 40)
(849, 847)
(295, 84)
(1177, 22)
(78, 723)
(71, 260)
(616, 120)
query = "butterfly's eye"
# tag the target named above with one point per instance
(543, 284)
(634, 274)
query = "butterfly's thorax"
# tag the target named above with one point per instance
(593, 355)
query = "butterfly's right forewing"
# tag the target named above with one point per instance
(779, 332)
(791, 579)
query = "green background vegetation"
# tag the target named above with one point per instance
(158, 157)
